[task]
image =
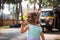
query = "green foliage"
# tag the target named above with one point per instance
(58, 2)
(50, 2)
(31, 2)
(10, 1)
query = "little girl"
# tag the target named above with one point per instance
(33, 27)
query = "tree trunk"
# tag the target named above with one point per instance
(34, 4)
(40, 4)
(21, 11)
(0, 4)
(16, 14)
(2, 10)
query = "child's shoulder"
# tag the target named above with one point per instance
(38, 25)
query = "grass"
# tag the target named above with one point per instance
(4, 27)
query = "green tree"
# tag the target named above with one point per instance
(40, 2)
(33, 2)
(47, 2)
(15, 2)
(58, 2)
(21, 10)
(0, 4)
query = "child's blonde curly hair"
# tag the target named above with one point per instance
(32, 16)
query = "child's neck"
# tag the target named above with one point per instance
(37, 24)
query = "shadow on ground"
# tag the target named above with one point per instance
(57, 39)
(53, 32)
